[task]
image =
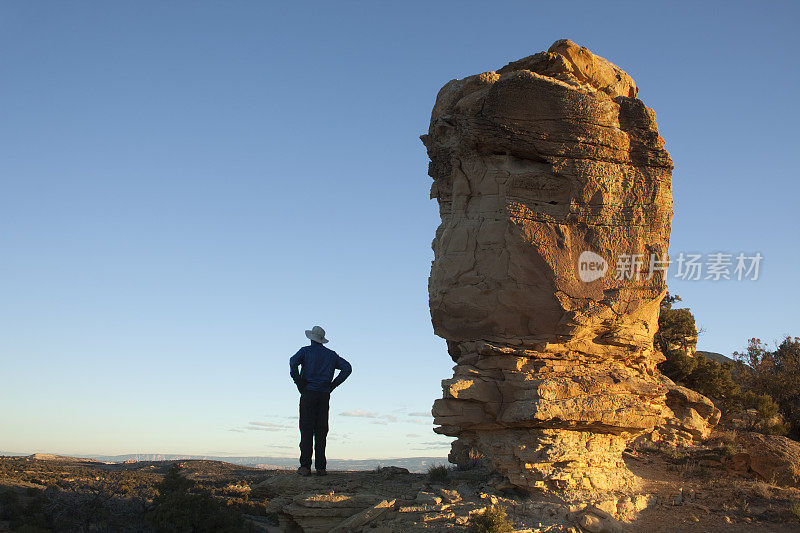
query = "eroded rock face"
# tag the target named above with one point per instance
(548, 157)
(694, 418)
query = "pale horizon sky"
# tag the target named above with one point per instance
(188, 186)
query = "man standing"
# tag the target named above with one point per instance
(315, 383)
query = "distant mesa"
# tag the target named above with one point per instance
(52, 457)
(714, 356)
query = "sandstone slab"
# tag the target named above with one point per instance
(773, 458)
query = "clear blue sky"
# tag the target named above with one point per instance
(187, 186)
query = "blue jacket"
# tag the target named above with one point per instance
(318, 364)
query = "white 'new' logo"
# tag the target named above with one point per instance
(591, 266)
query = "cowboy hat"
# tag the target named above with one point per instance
(316, 334)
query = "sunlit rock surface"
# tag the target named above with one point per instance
(532, 165)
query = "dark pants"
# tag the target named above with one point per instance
(313, 427)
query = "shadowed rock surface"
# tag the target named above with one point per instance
(532, 165)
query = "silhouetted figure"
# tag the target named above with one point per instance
(315, 383)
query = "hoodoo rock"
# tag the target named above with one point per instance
(555, 198)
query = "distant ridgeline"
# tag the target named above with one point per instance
(714, 356)
(412, 464)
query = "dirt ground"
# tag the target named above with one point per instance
(696, 497)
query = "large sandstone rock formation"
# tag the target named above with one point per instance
(549, 157)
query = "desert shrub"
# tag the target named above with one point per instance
(733, 387)
(714, 380)
(676, 338)
(767, 413)
(10, 506)
(437, 474)
(472, 460)
(795, 510)
(762, 490)
(180, 507)
(776, 374)
(492, 520)
(27, 515)
(247, 506)
(794, 469)
(675, 454)
(762, 403)
(236, 489)
(724, 437)
(727, 449)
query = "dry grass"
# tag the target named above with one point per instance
(763, 490)
(473, 460)
(689, 467)
(727, 450)
(724, 437)
(675, 455)
(492, 520)
(725, 442)
(795, 473)
(438, 474)
(236, 489)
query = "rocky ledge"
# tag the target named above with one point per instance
(733, 482)
(393, 500)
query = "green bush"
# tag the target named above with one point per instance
(775, 374)
(676, 338)
(492, 520)
(767, 410)
(723, 382)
